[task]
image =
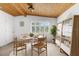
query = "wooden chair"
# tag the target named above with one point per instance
(18, 46)
(40, 44)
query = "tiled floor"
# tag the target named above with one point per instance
(53, 50)
(5, 51)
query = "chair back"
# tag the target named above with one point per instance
(18, 43)
(14, 42)
(42, 40)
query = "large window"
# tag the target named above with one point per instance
(40, 27)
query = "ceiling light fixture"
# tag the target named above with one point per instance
(31, 7)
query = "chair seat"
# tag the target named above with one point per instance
(19, 45)
(39, 45)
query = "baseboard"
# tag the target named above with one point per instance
(6, 44)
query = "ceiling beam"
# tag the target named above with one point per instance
(18, 9)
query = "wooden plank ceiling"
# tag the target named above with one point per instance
(40, 9)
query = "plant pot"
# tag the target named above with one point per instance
(53, 41)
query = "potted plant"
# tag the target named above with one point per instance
(31, 34)
(53, 32)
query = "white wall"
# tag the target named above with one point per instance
(6, 25)
(27, 23)
(74, 10)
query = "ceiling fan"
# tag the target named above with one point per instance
(31, 8)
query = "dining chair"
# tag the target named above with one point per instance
(39, 44)
(18, 46)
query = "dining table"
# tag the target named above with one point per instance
(30, 40)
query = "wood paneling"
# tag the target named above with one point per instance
(40, 9)
(9, 9)
(75, 36)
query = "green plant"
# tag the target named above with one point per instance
(31, 34)
(54, 31)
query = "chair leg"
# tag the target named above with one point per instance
(13, 51)
(31, 51)
(25, 50)
(38, 51)
(46, 51)
(46, 48)
(16, 53)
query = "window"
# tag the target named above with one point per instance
(40, 27)
(46, 29)
(37, 28)
(33, 29)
